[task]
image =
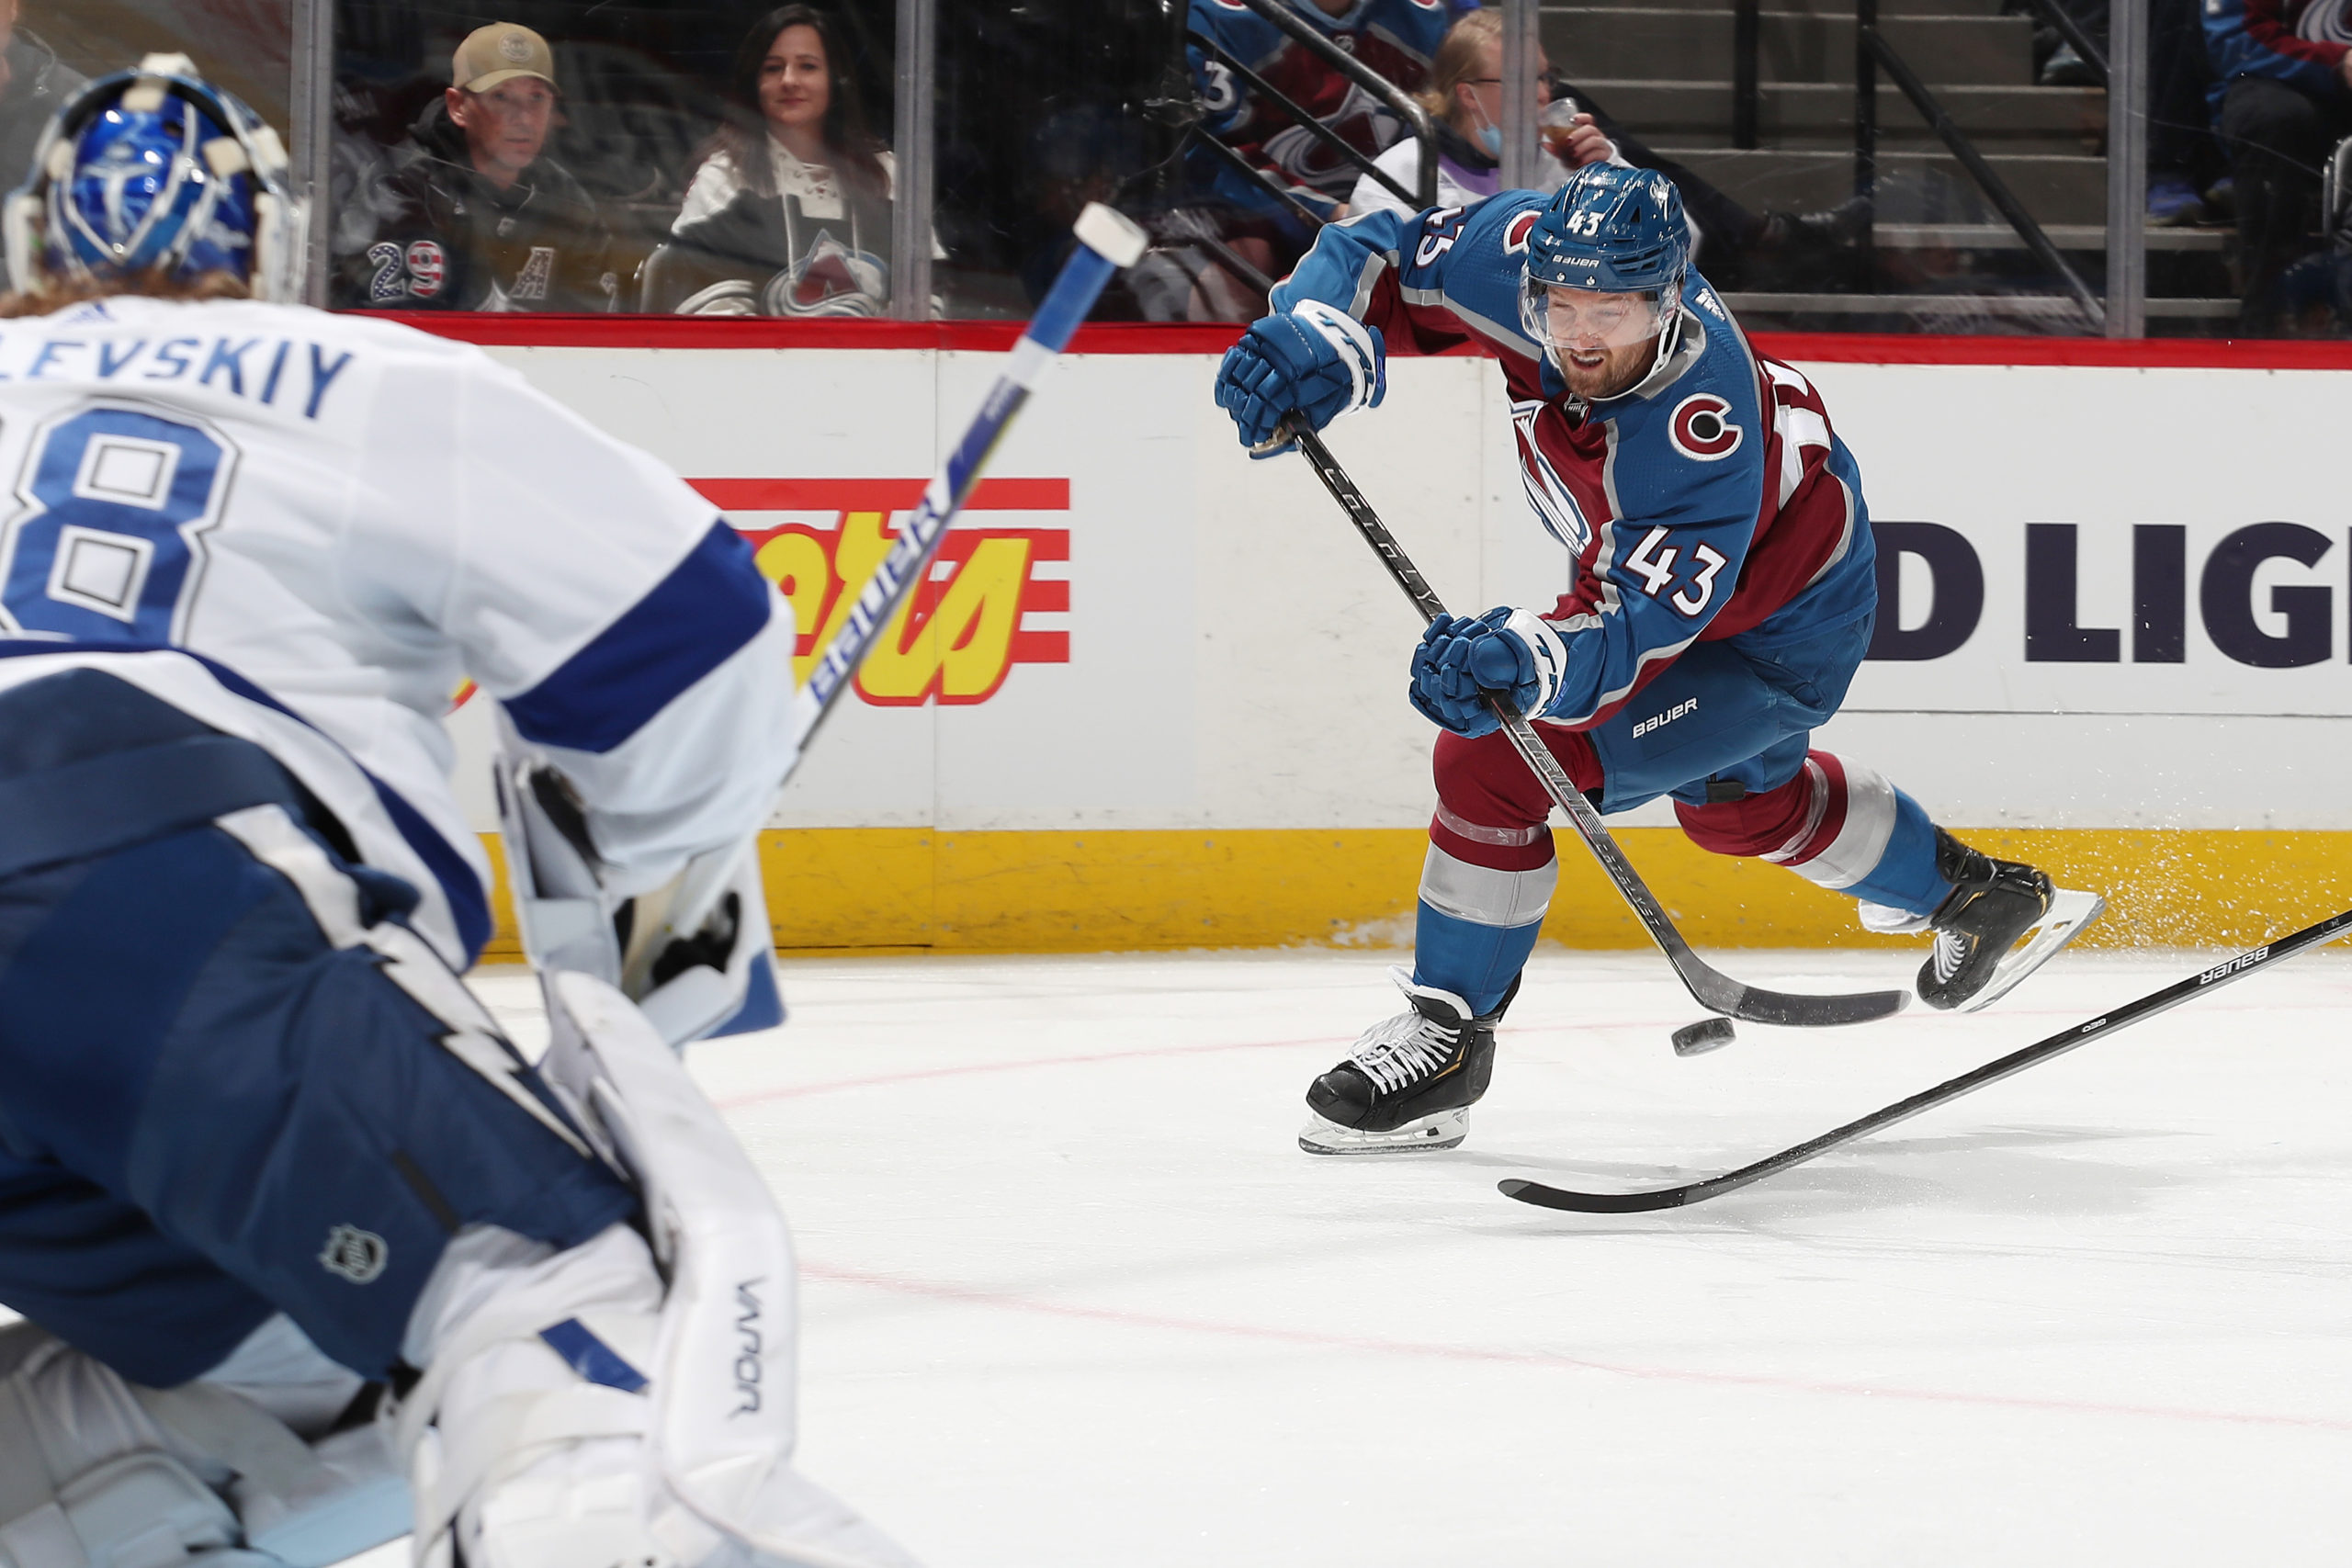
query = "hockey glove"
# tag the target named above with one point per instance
(1461, 659)
(1314, 364)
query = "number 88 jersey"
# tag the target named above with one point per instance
(356, 517)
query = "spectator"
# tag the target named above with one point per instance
(2183, 158)
(32, 85)
(1291, 181)
(790, 214)
(1464, 98)
(477, 218)
(2282, 97)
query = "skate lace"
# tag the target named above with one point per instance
(1398, 1051)
(1952, 950)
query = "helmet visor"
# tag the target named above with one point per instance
(1585, 320)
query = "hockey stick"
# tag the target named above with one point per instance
(1714, 989)
(2058, 1044)
(1107, 241)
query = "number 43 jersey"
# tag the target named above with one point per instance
(1710, 501)
(346, 519)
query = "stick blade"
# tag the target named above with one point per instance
(1790, 1010)
(1544, 1197)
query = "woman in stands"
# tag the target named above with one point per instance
(789, 212)
(1464, 98)
(1742, 248)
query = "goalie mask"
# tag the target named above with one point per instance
(1612, 234)
(155, 173)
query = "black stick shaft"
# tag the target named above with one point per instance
(1992, 1072)
(1708, 986)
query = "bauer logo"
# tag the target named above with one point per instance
(2243, 962)
(997, 596)
(1660, 720)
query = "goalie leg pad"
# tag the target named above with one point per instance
(97, 1473)
(621, 1392)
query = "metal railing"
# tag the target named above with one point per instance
(2124, 312)
(1392, 96)
(1873, 54)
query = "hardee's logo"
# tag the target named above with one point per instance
(962, 629)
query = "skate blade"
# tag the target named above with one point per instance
(1444, 1130)
(2068, 913)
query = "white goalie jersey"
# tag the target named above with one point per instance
(346, 519)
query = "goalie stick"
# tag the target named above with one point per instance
(1107, 241)
(1710, 986)
(2058, 1044)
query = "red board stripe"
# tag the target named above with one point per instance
(875, 495)
(1862, 348)
(1040, 648)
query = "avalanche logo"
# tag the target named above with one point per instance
(1701, 430)
(1515, 233)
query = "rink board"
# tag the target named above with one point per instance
(1154, 699)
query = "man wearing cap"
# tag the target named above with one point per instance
(479, 218)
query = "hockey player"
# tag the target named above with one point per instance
(259, 1146)
(1723, 596)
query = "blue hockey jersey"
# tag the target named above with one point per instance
(1394, 38)
(1713, 500)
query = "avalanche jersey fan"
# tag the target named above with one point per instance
(1396, 38)
(1724, 591)
(263, 1155)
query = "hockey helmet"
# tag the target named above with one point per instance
(1611, 230)
(156, 173)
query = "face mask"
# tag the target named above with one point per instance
(1490, 135)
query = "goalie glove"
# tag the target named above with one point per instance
(696, 952)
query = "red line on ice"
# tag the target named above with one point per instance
(972, 1296)
(835, 1086)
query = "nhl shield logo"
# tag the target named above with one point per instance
(358, 1256)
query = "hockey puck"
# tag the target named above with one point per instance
(1707, 1035)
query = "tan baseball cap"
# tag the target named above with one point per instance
(500, 52)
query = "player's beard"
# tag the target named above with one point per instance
(1616, 372)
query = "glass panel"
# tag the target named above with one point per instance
(1811, 214)
(56, 45)
(1042, 108)
(655, 172)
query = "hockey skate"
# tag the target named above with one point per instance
(1411, 1079)
(2002, 921)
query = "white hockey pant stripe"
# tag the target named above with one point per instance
(1483, 896)
(1862, 840)
(473, 1037)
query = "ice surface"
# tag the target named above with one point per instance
(1073, 1297)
